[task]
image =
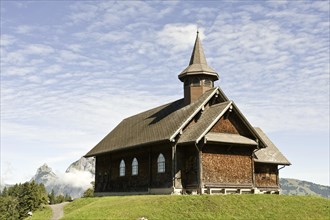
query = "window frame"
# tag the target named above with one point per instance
(161, 163)
(135, 167)
(122, 168)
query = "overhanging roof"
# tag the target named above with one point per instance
(229, 139)
(270, 154)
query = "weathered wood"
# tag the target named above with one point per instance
(227, 167)
(200, 169)
(189, 171)
(224, 125)
(266, 175)
(107, 178)
(232, 124)
(173, 163)
(253, 173)
(161, 180)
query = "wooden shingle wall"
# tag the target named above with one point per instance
(266, 175)
(227, 166)
(224, 125)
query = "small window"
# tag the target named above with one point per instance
(161, 163)
(135, 167)
(208, 83)
(195, 82)
(122, 168)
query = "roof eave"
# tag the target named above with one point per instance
(234, 144)
(128, 147)
(273, 162)
(185, 74)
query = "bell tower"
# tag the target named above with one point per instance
(198, 77)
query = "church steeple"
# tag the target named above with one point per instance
(198, 77)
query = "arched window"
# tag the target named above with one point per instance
(135, 167)
(161, 163)
(122, 168)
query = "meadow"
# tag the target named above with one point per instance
(199, 207)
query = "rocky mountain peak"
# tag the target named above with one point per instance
(83, 164)
(44, 174)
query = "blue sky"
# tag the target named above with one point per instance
(72, 70)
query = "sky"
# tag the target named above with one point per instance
(72, 70)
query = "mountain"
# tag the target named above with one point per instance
(83, 164)
(74, 182)
(300, 187)
(44, 175)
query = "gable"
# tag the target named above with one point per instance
(222, 118)
(224, 125)
(202, 122)
(231, 123)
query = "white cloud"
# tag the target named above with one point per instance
(178, 37)
(18, 71)
(6, 40)
(38, 49)
(24, 29)
(55, 68)
(79, 179)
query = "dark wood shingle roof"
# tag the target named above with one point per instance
(270, 154)
(192, 133)
(155, 125)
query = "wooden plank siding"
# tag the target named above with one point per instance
(189, 166)
(107, 178)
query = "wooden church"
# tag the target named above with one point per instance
(195, 145)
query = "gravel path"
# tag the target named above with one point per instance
(58, 210)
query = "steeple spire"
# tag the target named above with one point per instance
(198, 77)
(198, 64)
(197, 56)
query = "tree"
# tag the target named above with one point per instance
(52, 197)
(4, 192)
(89, 193)
(67, 197)
(8, 208)
(59, 199)
(29, 195)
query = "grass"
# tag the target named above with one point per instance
(42, 214)
(199, 207)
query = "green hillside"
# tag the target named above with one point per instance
(303, 188)
(200, 207)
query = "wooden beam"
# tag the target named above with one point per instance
(173, 163)
(200, 169)
(149, 168)
(253, 172)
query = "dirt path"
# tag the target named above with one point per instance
(58, 210)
